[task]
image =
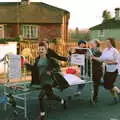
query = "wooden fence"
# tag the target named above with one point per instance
(26, 47)
(62, 49)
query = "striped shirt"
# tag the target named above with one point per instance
(110, 54)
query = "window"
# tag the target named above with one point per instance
(30, 31)
(101, 33)
(1, 31)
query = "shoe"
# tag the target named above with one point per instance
(63, 102)
(93, 101)
(42, 116)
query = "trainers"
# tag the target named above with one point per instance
(93, 101)
(63, 102)
(41, 116)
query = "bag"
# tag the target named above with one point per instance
(71, 71)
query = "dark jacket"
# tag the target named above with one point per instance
(53, 54)
(96, 65)
(53, 67)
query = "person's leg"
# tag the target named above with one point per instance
(41, 104)
(52, 96)
(95, 92)
(96, 83)
(109, 80)
(115, 91)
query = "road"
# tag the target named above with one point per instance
(79, 108)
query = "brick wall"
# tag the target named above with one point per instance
(46, 31)
(50, 31)
(11, 30)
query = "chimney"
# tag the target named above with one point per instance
(117, 13)
(25, 2)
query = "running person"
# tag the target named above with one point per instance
(42, 71)
(110, 58)
(97, 70)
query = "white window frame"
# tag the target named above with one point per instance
(30, 31)
(101, 35)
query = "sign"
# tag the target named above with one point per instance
(11, 47)
(14, 67)
(73, 80)
(78, 59)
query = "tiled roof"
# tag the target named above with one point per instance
(109, 24)
(35, 12)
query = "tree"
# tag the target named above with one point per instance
(77, 34)
(106, 15)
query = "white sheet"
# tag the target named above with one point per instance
(73, 80)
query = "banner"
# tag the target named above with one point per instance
(78, 59)
(14, 67)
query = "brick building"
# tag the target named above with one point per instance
(34, 21)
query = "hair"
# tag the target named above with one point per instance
(45, 40)
(97, 42)
(82, 42)
(42, 44)
(112, 41)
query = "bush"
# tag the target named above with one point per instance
(6, 40)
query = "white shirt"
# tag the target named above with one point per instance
(110, 54)
(118, 63)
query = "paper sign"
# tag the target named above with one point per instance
(73, 80)
(78, 59)
(14, 67)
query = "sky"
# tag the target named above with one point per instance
(84, 13)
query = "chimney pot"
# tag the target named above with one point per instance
(117, 13)
(25, 2)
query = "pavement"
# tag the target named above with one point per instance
(79, 108)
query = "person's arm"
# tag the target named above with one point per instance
(96, 58)
(110, 62)
(28, 66)
(115, 56)
(101, 58)
(52, 53)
